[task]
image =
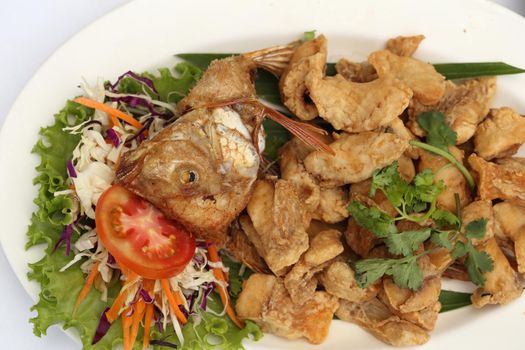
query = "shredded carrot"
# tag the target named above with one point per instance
(112, 112)
(87, 286)
(147, 325)
(114, 311)
(126, 325)
(172, 301)
(223, 292)
(138, 314)
(72, 187)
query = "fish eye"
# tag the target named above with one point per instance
(189, 177)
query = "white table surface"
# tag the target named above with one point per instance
(30, 31)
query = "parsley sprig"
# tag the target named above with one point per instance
(439, 137)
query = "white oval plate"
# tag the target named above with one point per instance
(145, 34)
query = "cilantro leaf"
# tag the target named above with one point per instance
(477, 263)
(407, 274)
(476, 229)
(373, 219)
(425, 188)
(439, 134)
(391, 183)
(460, 249)
(406, 243)
(441, 239)
(444, 218)
(370, 270)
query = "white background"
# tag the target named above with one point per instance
(30, 31)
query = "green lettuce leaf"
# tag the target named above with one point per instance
(54, 147)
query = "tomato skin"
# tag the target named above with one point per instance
(140, 237)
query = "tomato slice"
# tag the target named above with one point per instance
(140, 237)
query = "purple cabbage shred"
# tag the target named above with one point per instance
(148, 82)
(111, 259)
(71, 169)
(209, 287)
(65, 237)
(203, 244)
(113, 137)
(102, 328)
(135, 101)
(145, 296)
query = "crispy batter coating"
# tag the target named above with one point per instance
(265, 301)
(291, 156)
(502, 284)
(451, 176)
(404, 300)
(362, 72)
(242, 248)
(465, 105)
(339, 279)
(500, 135)
(359, 239)
(398, 127)
(356, 158)
(376, 318)
(333, 205)
(510, 219)
(404, 45)
(280, 236)
(356, 107)
(291, 84)
(301, 281)
(503, 181)
(422, 78)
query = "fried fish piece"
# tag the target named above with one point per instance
(356, 158)
(362, 72)
(376, 318)
(510, 219)
(301, 281)
(242, 249)
(404, 45)
(356, 107)
(498, 181)
(291, 84)
(276, 213)
(464, 105)
(454, 180)
(265, 301)
(359, 239)
(502, 284)
(422, 78)
(338, 279)
(291, 157)
(404, 300)
(500, 135)
(333, 205)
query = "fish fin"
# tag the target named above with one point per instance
(273, 59)
(129, 168)
(304, 132)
